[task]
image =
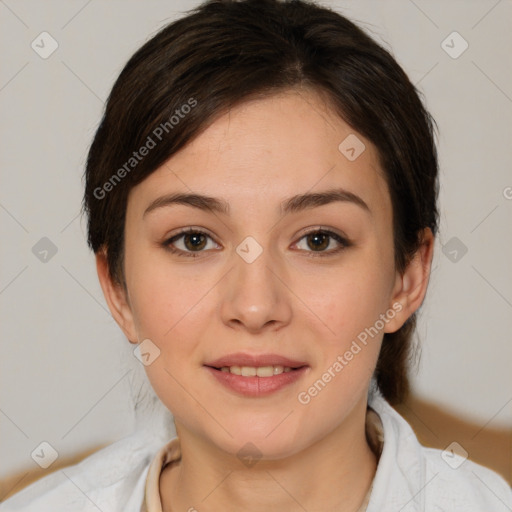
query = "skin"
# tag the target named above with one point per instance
(287, 302)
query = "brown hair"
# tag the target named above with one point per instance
(225, 52)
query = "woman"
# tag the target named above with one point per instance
(261, 196)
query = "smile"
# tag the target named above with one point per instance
(256, 381)
(256, 371)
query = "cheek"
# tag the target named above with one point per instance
(354, 298)
(161, 295)
(165, 309)
(354, 348)
(351, 306)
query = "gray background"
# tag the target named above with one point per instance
(66, 371)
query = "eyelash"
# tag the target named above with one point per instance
(190, 254)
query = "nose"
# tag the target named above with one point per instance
(255, 297)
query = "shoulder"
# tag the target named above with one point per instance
(457, 483)
(111, 479)
(411, 477)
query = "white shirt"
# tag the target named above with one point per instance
(124, 476)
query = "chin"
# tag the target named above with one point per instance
(266, 440)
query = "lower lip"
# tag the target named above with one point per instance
(257, 386)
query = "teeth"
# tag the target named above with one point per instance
(252, 371)
(249, 371)
(276, 370)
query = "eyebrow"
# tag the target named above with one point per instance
(293, 204)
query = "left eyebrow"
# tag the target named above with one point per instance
(293, 204)
(313, 200)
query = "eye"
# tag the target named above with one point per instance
(191, 242)
(194, 241)
(320, 239)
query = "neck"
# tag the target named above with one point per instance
(332, 474)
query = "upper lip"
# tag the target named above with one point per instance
(241, 359)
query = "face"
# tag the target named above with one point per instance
(270, 277)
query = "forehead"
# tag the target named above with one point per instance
(264, 150)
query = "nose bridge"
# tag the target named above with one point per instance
(255, 296)
(254, 278)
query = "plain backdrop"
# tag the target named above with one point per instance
(66, 371)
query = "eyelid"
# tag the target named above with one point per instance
(324, 229)
(189, 229)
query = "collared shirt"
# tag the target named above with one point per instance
(409, 478)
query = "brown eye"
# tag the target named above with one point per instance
(190, 242)
(320, 240)
(194, 241)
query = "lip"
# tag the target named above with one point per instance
(243, 359)
(256, 386)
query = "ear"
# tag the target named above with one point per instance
(116, 298)
(411, 286)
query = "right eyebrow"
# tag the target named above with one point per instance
(199, 201)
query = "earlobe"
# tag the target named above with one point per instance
(411, 286)
(116, 298)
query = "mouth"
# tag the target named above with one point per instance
(262, 365)
(260, 375)
(256, 371)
